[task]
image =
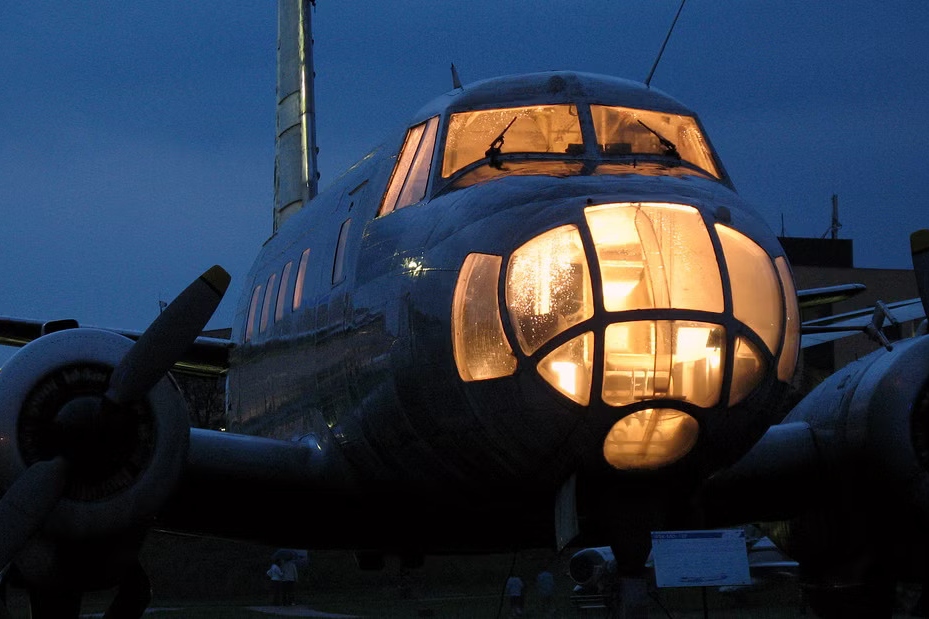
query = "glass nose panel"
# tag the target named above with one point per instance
(747, 372)
(655, 256)
(756, 294)
(650, 439)
(548, 287)
(676, 359)
(568, 368)
(787, 364)
(479, 344)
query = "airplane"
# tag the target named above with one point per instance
(538, 315)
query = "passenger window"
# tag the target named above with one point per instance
(337, 265)
(411, 173)
(282, 291)
(266, 307)
(252, 313)
(301, 277)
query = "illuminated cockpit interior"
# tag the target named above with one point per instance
(560, 139)
(534, 129)
(556, 131)
(654, 319)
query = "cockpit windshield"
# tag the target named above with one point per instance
(532, 129)
(547, 134)
(627, 131)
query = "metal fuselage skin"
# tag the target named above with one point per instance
(364, 369)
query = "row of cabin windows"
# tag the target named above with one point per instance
(272, 298)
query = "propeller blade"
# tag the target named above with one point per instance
(919, 246)
(27, 503)
(168, 337)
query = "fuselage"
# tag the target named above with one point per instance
(583, 290)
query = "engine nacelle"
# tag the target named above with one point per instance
(862, 430)
(588, 567)
(874, 415)
(843, 482)
(111, 492)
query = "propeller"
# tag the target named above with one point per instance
(29, 500)
(168, 338)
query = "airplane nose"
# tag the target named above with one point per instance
(624, 308)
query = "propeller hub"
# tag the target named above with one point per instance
(108, 446)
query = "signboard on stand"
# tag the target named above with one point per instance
(709, 558)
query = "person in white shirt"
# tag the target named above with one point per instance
(514, 591)
(277, 580)
(289, 582)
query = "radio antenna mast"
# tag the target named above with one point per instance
(833, 230)
(661, 51)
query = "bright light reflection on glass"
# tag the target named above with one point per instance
(650, 439)
(568, 368)
(548, 287)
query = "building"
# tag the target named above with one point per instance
(828, 262)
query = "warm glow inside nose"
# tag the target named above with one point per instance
(568, 368)
(674, 359)
(548, 287)
(666, 329)
(480, 346)
(650, 438)
(655, 256)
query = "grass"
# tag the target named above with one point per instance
(211, 579)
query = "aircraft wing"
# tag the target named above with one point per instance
(822, 330)
(811, 297)
(207, 356)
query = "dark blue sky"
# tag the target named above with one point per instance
(136, 139)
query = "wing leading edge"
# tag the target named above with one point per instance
(207, 356)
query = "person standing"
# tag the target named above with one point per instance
(545, 586)
(514, 591)
(276, 574)
(289, 581)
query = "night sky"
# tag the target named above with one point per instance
(137, 138)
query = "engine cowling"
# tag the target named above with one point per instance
(843, 482)
(871, 420)
(590, 566)
(119, 476)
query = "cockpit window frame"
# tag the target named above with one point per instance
(543, 124)
(593, 162)
(411, 177)
(687, 148)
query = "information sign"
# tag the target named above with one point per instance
(710, 558)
